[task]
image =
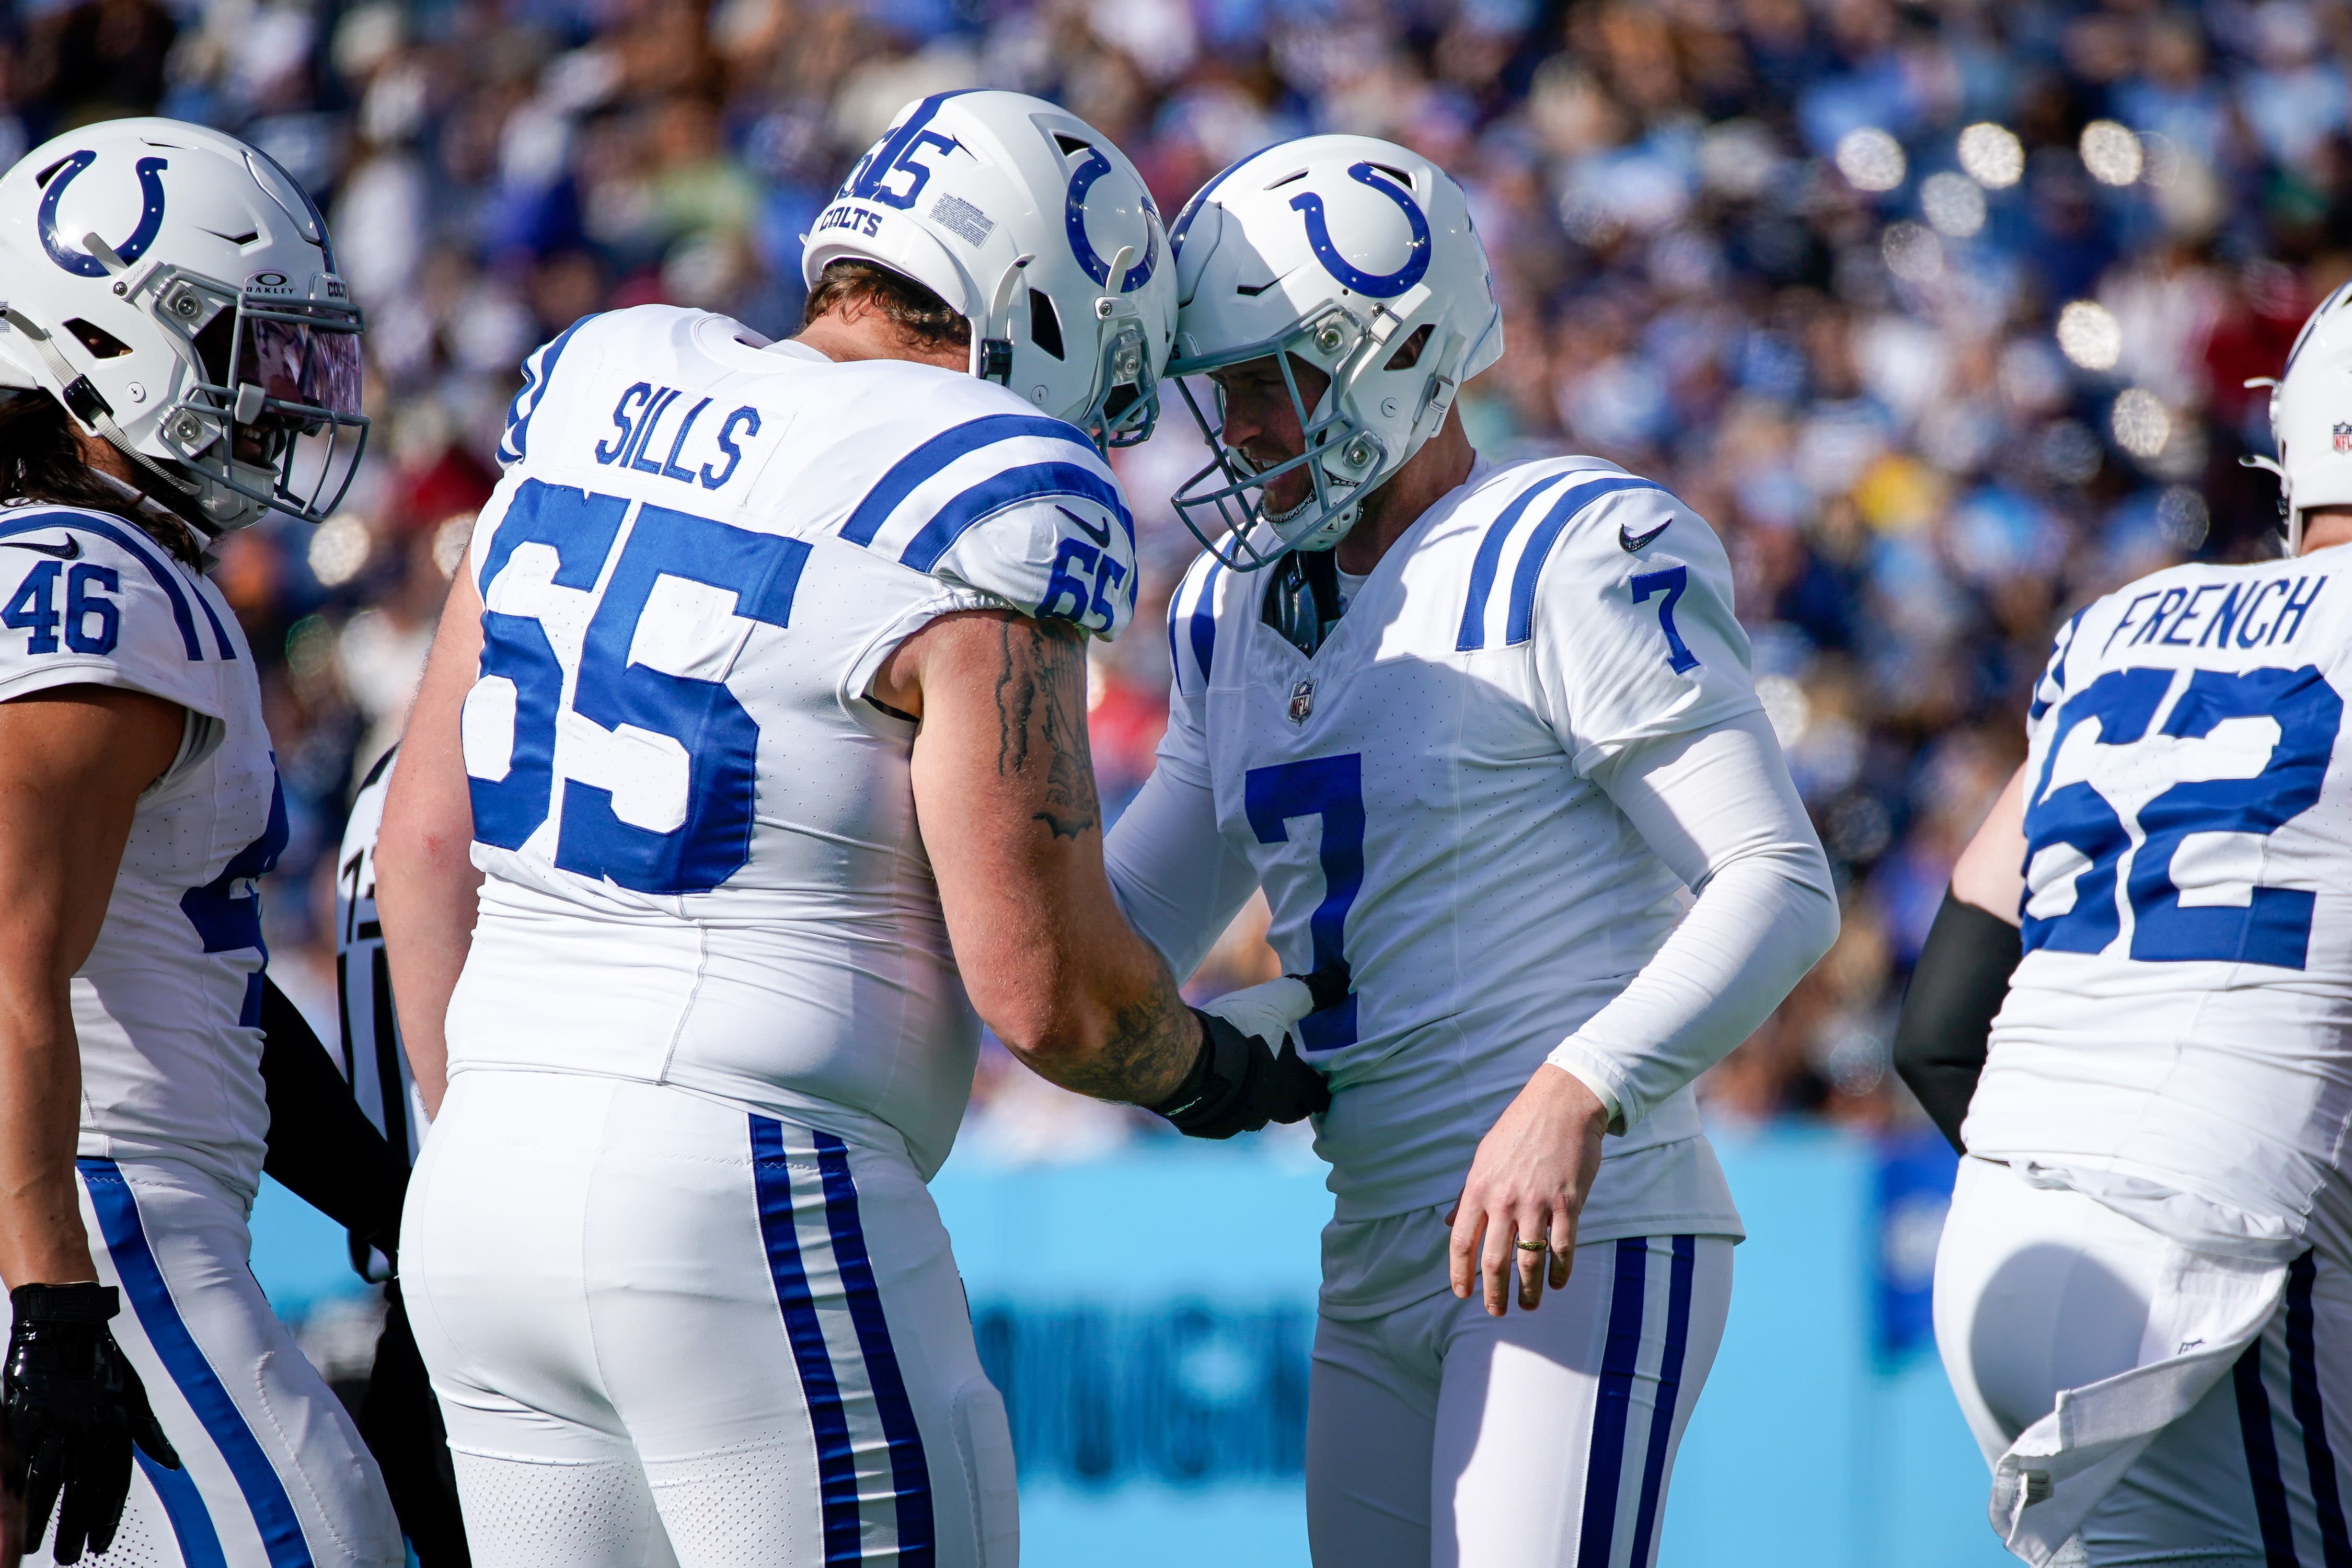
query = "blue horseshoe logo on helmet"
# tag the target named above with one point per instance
(1380, 286)
(80, 263)
(1074, 219)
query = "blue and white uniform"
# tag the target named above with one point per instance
(709, 1041)
(165, 1010)
(1532, 727)
(2151, 1233)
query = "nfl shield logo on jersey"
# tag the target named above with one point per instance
(2344, 438)
(1302, 702)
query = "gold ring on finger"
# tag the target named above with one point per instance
(1529, 1246)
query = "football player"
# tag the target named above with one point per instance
(2142, 1294)
(177, 354)
(1473, 729)
(757, 712)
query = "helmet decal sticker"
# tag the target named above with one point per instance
(80, 262)
(1074, 219)
(1380, 286)
(893, 155)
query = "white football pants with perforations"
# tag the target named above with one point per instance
(272, 1472)
(667, 1330)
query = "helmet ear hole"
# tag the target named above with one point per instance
(1408, 353)
(1044, 323)
(101, 343)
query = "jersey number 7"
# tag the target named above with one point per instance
(719, 739)
(1331, 788)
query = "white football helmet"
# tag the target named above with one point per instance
(1357, 257)
(2311, 416)
(1029, 223)
(176, 290)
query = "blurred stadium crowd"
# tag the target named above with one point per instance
(1939, 311)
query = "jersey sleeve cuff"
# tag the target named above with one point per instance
(947, 601)
(1596, 1072)
(52, 673)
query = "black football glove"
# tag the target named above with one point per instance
(1238, 1084)
(71, 1405)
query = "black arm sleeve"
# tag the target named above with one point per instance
(1957, 986)
(322, 1146)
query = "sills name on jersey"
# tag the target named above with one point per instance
(638, 417)
(2248, 614)
(857, 220)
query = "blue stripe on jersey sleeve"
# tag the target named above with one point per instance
(538, 369)
(1204, 624)
(1007, 488)
(1521, 625)
(220, 634)
(119, 533)
(928, 459)
(1490, 556)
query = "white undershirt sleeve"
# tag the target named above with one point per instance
(1177, 880)
(1717, 807)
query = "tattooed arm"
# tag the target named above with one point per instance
(1004, 790)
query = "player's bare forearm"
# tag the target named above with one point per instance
(428, 891)
(72, 764)
(1004, 790)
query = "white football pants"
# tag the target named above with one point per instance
(1440, 1437)
(272, 1472)
(666, 1330)
(2039, 1289)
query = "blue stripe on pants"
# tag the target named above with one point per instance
(836, 1463)
(159, 1318)
(1670, 1383)
(910, 1476)
(1605, 1462)
(2302, 1381)
(2261, 1459)
(200, 1545)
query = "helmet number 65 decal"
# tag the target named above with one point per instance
(1378, 285)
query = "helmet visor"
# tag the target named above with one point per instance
(300, 365)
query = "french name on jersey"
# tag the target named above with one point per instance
(638, 417)
(2219, 615)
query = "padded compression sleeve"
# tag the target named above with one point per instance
(321, 1144)
(1717, 807)
(1957, 987)
(1178, 882)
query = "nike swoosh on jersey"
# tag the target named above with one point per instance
(1634, 542)
(69, 551)
(1099, 535)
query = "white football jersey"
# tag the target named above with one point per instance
(1414, 800)
(2183, 1012)
(374, 1062)
(168, 1004)
(702, 856)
